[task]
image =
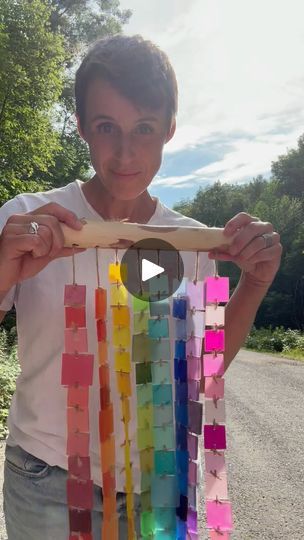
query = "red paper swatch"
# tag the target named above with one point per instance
(214, 437)
(75, 316)
(77, 369)
(83, 536)
(75, 295)
(80, 520)
(104, 397)
(76, 340)
(106, 422)
(78, 419)
(78, 444)
(78, 395)
(101, 330)
(80, 494)
(100, 303)
(80, 467)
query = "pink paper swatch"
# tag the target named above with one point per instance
(192, 474)
(77, 369)
(216, 486)
(194, 346)
(219, 515)
(78, 419)
(194, 368)
(78, 395)
(214, 388)
(217, 289)
(76, 340)
(214, 535)
(193, 390)
(214, 340)
(215, 315)
(196, 323)
(215, 437)
(215, 462)
(195, 293)
(216, 413)
(192, 446)
(75, 295)
(80, 494)
(213, 365)
(78, 444)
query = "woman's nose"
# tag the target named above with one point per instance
(125, 148)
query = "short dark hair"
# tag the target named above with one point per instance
(135, 67)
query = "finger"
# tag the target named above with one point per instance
(62, 214)
(246, 235)
(14, 246)
(257, 244)
(268, 254)
(238, 221)
(49, 228)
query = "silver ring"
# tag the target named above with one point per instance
(268, 240)
(33, 229)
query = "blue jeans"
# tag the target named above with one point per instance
(34, 500)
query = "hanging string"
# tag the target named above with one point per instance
(97, 268)
(73, 264)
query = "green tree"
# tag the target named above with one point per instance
(289, 170)
(31, 82)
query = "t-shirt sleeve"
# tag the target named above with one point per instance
(8, 209)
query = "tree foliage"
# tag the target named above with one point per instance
(281, 202)
(41, 43)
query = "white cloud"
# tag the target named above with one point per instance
(239, 69)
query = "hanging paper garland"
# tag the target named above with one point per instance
(218, 508)
(167, 432)
(77, 376)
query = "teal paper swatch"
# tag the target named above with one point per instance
(164, 491)
(159, 308)
(163, 414)
(164, 462)
(144, 394)
(161, 372)
(158, 328)
(163, 438)
(162, 394)
(159, 349)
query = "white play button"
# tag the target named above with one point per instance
(149, 269)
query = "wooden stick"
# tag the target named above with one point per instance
(121, 235)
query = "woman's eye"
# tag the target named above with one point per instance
(144, 129)
(106, 127)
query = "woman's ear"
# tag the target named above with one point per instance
(171, 130)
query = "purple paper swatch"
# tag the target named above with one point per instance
(214, 437)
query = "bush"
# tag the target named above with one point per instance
(275, 339)
(9, 370)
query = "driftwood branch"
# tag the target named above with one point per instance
(120, 235)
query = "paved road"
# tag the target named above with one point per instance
(265, 456)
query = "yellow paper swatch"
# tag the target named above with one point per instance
(121, 336)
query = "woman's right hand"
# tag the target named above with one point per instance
(24, 254)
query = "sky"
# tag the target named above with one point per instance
(240, 70)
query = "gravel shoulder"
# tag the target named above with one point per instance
(264, 458)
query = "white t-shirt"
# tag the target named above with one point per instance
(37, 417)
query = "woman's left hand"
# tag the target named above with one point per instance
(256, 248)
